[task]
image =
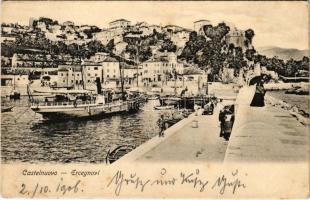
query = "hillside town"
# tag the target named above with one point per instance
(70, 55)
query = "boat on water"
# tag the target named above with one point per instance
(166, 107)
(297, 91)
(65, 104)
(6, 109)
(14, 94)
(187, 102)
(118, 152)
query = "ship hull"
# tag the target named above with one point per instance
(83, 111)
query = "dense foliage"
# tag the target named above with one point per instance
(211, 52)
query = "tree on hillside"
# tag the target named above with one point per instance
(249, 54)
(144, 53)
(168, 46)
(95, 46)
(110, 46)
(192, 46)
(216, 33)
(89, 32)
(305, 63)
(249, 34)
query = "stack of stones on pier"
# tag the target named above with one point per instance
(300, 115)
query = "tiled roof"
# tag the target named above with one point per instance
(202, 20)
(120, 20)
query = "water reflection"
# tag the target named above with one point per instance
(25, 137)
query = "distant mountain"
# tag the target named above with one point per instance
(282, 53)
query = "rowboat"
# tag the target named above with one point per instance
(118, 152)
(6, 108)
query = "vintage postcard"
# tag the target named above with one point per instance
(155, 99)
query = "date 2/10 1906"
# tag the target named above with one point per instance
(62, 189)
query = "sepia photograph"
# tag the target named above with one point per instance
(88, 87)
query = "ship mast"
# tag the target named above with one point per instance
(122, 81)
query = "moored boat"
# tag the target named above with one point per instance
(65, 104)
(168, 107)
(118, 152)
(15, 94)
(6, 108)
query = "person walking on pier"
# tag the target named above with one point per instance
(222, 121)
(161, 124)
(258, 99)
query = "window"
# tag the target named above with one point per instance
(78, 74)
(71, 81)
(108, 70)
(63, 80)
(108, 76)
(61, 74)
(114, 76)
(88, 74)
(88, 81)
(95, 68)
(96, 75)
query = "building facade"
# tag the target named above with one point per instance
(236, 37)
(105, 36)
(179, 38)
(120, 23)
(198, 26)
(69, 75)
(160, 70)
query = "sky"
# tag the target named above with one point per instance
(282, 24)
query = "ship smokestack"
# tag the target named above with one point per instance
(98, 86)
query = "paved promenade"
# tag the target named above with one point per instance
(260, 134)
(184, 144)
(267, 134)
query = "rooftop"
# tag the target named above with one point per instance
(202, 20)
(124, 20)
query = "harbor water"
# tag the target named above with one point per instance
(25, 137)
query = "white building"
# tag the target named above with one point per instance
(131, 73)
(92, 72)
(103, 67)
(161, 69)
(198, 25)
(41, 26)
(68, 23)
(173, 28)
(148, 30)
(69, 75)
(8, 38)
(120, 23)
(120, 47)
(179, 38)
(7, 29)
(236, 37)
(105, 36)
(111, 69)
(99, 57)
